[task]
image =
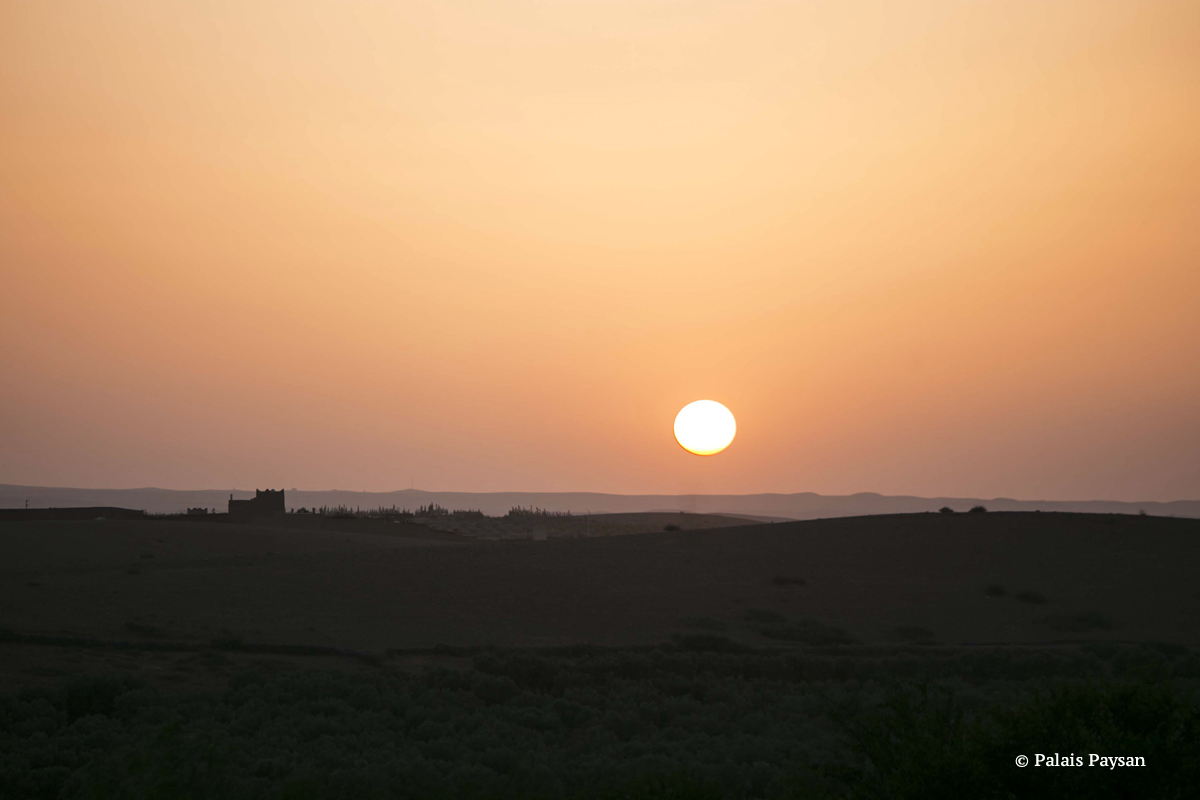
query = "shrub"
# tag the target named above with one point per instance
(94, 695)
(945, 510)
(707, 643)
(609, 723)
(705, 623)
(979, 509)
(1168, 649)
(763, 615)
(809, 631)
(142, 629)
(1153, 721)
(671, 528)
(228, 642)
(1094, 620)
(918, 744)
(910, 633)
(1084, 621)
(923, 744)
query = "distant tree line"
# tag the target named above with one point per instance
(533, 511)
(390, 512)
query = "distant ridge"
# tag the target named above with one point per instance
(803, 505)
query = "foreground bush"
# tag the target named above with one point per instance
(666, 723)
(922, 744)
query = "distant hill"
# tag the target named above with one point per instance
(803, 505)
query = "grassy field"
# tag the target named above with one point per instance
(696, 718)
(903, 656)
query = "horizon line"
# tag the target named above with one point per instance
(999, 498)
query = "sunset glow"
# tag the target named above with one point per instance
(493, 246)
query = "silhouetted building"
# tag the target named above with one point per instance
(265, 503)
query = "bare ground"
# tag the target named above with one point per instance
(912, 578)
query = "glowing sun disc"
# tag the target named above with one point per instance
(704, 427)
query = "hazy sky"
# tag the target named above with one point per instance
(926, 247)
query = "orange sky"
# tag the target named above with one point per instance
(927, 248)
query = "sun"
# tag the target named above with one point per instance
(704, 427)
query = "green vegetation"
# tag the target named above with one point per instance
(637, 723)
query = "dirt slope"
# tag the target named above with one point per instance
(911, 577)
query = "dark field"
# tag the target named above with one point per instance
(902, 656)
